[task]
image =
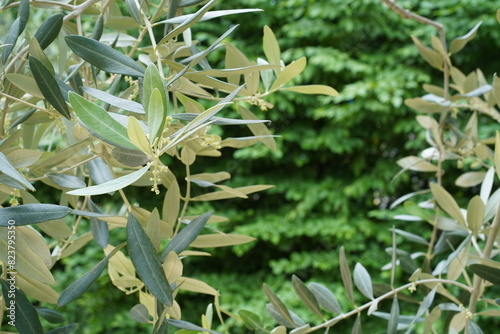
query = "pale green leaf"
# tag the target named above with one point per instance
(140, 313)
(272, 49)
(325, 297)
(458, 43)
(259, 130)
(431, 56)
(189, 326)
(220, 240)
(137, 136)
(66, 181)
(363, 281)
(208, 16)
(289, 72)
(156, 113)
(112, 185)
(416, 164)
(345, 273)
(447, 203)
(115, 101)
(313, 89)
(25, 83)
(278, 307)
(497, 154)
(470, 179)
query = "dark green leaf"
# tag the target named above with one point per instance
(146, 262)
(9, 171)
(99, 121)
(77, 288)
(27, 214)
(131, 158)
(115, 101)
(486, 272)
(63, 330)
(306, 296)
(140, 313)
(26, 318)
(161, 327)
(21, 119)
(103, 56)
(189, 326)
(49, 87)
(51, 316)
(49, 29)
(346, 274)
(187, 235)
(11, 39)
(99, 228)
(325, 298)
(66, 181)
(98, 28)
(24, 13)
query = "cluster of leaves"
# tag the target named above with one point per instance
(455, 270)
(116, 113)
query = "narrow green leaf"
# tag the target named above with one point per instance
(152, 81)
(49, 29)
(356, 328)
(103, 56)
(99, 121)
(188, 22)
(313, 89)
(486, 272)
(98, 28)
(208, 16)
(99, 228)
(66, 181)
(133, 10)
(189, 326)
(458, 43)
(25, 83)
(156, 113)
(112, 185)
(27, 214)
(24, 13)
(137, 136)
(279, 306)
(11, 39)
(325, 297)
(49, 87)
(392, 325)
(115, 101)
(51, 316)
(77, 288)
(346, 274)
(424, 306)
(63, 330)
(146, 262)
(272, 49)
(363, 281)
(27, 321)
(306, 296)
(259, 130)
(99, 171)
(497, 154)
(219, 120)
(187, 235)
(10, 172)
(447, 202)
